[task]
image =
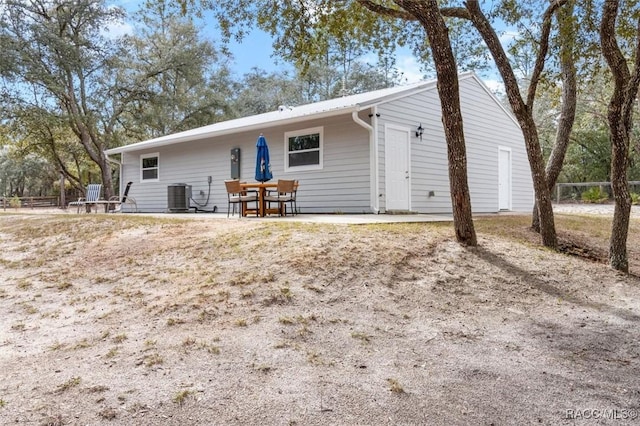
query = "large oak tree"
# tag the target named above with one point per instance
(53, 56)
(620, 116)
(65, 75)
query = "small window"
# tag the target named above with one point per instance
(303, 149)
(149, 167)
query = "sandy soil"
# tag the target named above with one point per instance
(133, 320)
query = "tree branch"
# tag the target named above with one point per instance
(610, 47)
(569, 98)
(501, 60)
(634, 83)
(542, 52)
(386, 11)
(455, 12)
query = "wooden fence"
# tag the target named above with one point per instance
(30, 202)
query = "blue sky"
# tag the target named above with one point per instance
(256, 50)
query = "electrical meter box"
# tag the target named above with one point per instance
(235, 163)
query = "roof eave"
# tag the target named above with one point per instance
(189, 136)
(141, 146)
(426, 87)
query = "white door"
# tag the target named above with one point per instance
(504, 179)
(397, 180)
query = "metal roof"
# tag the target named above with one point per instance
(285, 115)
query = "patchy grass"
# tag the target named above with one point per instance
(181, 397)
(112, 352)
(65, 285)
(153, 359)
(56, 346)
(69, 384)
(152, 313)
(97, 389)
(585, 236)
(363, 337)
(119, 338)
(108, 413)
(174, 321)
(395, 386)
(19, 326)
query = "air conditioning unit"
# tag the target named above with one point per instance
(178, 195)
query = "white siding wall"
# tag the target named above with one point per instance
(341, 186)
(428, 157)
(486, 127)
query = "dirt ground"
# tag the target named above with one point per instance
(124, 320)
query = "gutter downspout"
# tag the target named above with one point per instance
(373, 155)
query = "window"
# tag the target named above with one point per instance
(149, 167)
(303, 149)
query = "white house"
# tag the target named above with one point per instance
(368, 153)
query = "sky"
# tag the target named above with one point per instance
(261, 54)
(256, 50)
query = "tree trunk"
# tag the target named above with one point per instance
(619, 136)
(619, 116)
(95, 147)
(569, 102)
(618, 259)
(107, 181)
(523, 111)
(429, 16)
(540, 186)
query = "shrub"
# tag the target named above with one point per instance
(635, 198)
(594, 195)
(15, 202)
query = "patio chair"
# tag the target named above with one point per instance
(117, 202)
(284, 193)
(91, 198)
(236, 195)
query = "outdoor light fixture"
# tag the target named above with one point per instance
(419, 131)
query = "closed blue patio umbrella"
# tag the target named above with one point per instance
(263, 166)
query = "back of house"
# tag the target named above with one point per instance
(376, 152)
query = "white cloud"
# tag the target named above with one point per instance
(406, 64)
(496, 86)
(117, 30)
(507, 37)
(410, 68)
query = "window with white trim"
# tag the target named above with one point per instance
(149, 167)
(303, 149)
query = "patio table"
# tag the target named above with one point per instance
(262, 189)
